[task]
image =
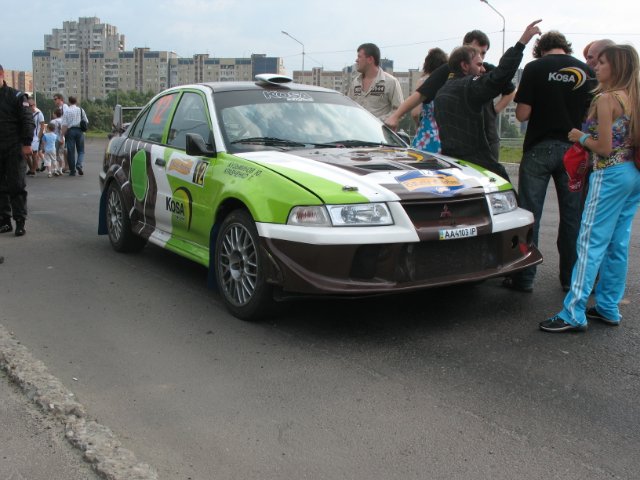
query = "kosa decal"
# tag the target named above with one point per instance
(288, 96)
(437, 182)
(574, 75)
(180, 205)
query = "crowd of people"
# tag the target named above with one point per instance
(564, 100)
(29, 145)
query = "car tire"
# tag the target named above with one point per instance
(240, 268)
(118, 223)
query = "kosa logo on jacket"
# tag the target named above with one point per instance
(574, 75)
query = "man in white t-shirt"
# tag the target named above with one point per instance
(373, 88)
(33, 162)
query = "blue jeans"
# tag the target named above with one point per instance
(539, 164)
(603, 245)
(75, 141)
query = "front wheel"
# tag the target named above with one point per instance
(240, 268)
(118, 223)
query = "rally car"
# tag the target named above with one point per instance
(283, 190)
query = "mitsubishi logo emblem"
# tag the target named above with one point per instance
(446, 213)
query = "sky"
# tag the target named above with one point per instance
(330, 30)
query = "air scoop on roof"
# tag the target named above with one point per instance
(273, 79)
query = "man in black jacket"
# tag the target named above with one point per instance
(460, 101)
(16, 134)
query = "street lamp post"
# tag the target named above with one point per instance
(295, 39)
(503, 21)
(503, 32)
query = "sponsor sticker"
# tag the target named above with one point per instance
(462, 232)
(287, 96)
(188, 169)
(438, 182)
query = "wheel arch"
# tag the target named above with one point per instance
(114, 174)
(225, 208)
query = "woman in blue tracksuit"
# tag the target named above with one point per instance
(613, 134)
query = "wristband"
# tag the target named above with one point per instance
(583, 138)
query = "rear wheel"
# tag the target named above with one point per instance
(118, 223)
(240, 268)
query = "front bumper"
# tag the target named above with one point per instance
(359, 269)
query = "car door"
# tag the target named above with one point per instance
(185, 193)
(145, 149)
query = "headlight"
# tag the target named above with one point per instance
(358, 215)
(502, 202)
(313, 216)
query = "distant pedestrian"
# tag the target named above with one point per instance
(58, 99)
(35, 160)
(612, 135)
(16, 135)
(61, 153)
(74, 136)
(373, 88)
(49, 140)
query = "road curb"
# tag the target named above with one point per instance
(98, 444)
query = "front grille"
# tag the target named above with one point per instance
(450, 211)
(445, 258)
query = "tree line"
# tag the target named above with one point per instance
(99, 111)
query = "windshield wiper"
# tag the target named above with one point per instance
(270, 141)
(353, 143)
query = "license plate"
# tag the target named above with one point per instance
(463, 232)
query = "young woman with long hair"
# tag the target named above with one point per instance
(613, 134)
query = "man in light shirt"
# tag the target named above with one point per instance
(74, 136)
(373, 88)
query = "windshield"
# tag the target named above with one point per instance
(296, 119)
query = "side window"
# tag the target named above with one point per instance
(136, 130)
(191, 117)
(157, 118)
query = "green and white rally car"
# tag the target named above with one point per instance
(283, 189)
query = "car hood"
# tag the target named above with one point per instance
(339, 175)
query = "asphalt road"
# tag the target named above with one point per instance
(454, 383)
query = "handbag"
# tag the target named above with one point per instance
(83, 122)
(576, 163)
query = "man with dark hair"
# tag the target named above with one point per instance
(373, 88)
(16, 134)
(460, 101)
(478, 37)
(426, 92)
(553, 97)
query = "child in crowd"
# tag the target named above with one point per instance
(60, 149)
(49, 140)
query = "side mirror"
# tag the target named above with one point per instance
(116, 124)
(197, 147)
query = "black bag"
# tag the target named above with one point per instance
(83, 122)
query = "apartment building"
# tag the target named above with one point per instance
(19, 79)
(88, 33)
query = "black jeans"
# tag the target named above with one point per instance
(13, 185)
